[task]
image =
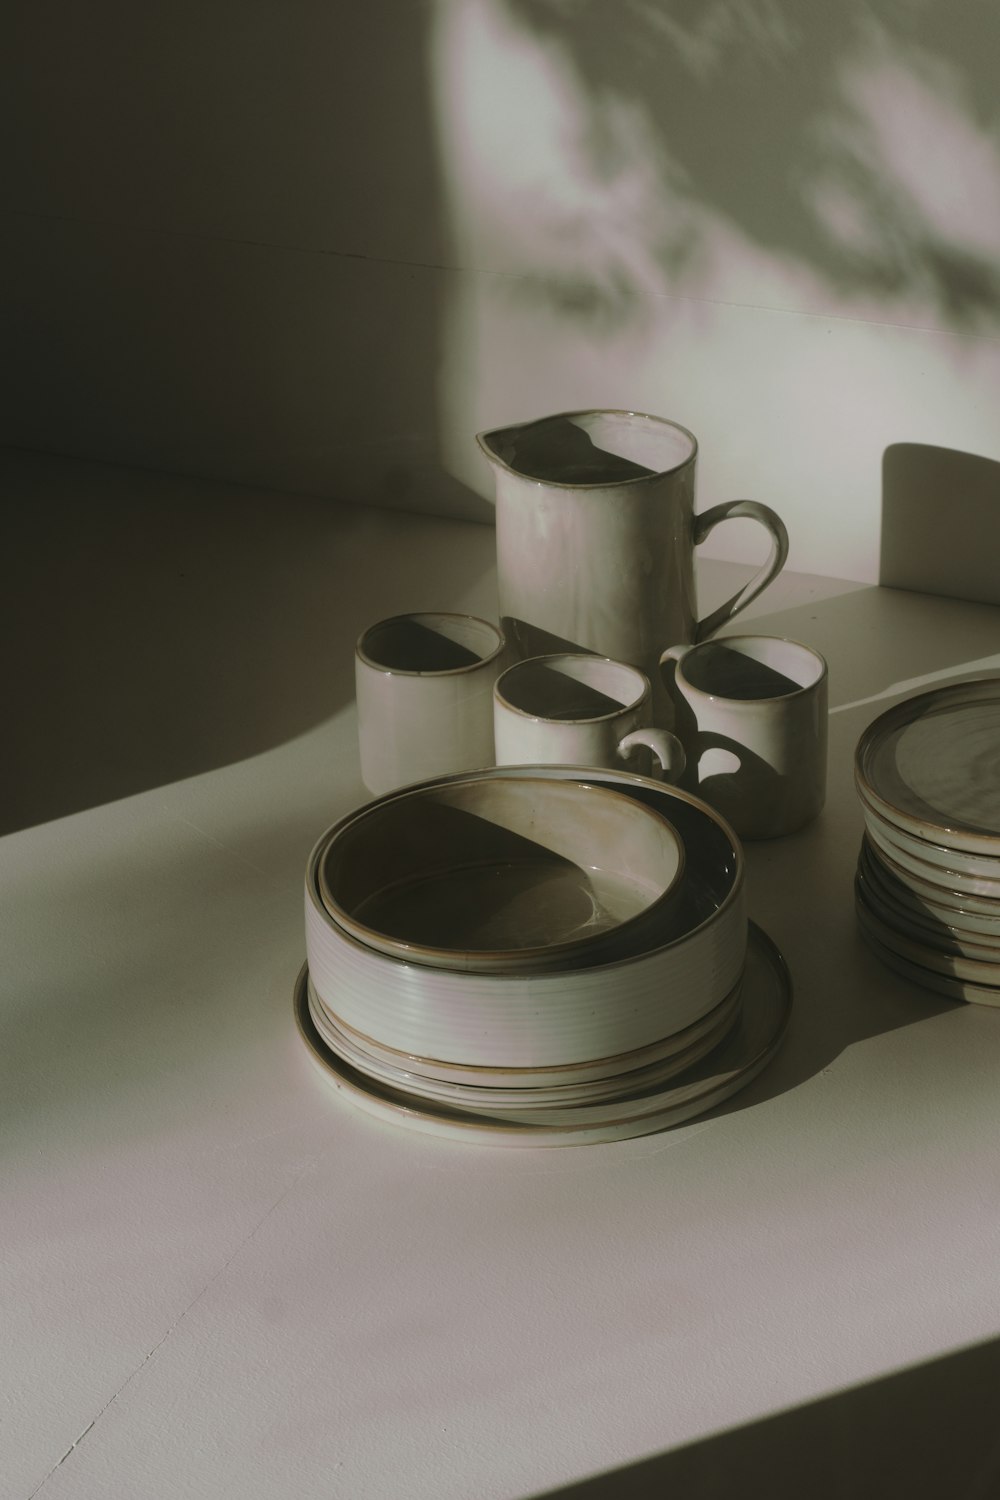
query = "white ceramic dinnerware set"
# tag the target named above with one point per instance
(927, 888)
(525, 938)
(536, 955)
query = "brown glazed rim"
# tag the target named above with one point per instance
(482, 438)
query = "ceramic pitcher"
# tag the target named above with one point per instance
(596, 534)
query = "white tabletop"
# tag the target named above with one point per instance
(220, 1279)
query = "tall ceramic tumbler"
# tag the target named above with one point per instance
(424, 685)
(752, 713)
(596, 534)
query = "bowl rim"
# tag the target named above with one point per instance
(547, 773)
(488, 959)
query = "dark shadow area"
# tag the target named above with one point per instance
(428, 643)
(563, 450)
(761, 113)
(924, 1433)
(227, 236)
(940, 522)
(156, 627)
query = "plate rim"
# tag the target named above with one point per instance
(953, 696)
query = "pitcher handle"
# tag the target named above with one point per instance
(773, 525)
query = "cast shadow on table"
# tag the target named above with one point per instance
(924, 1432)
(940, 522)
(158, 627)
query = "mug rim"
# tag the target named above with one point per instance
(483, 439)
(554, 656)
(786, 640)
(429, 614)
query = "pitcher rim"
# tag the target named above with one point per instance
(588, 411)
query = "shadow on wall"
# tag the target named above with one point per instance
(924, 1433)
(226, 232)
(854, 143)
(940, 522)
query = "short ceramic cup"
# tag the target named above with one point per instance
(424, 685)
(752, 713)
(577, 710)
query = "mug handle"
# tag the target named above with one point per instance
(665, 746)
(773, 525)
(674, 653)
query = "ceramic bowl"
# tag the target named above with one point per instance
(490, 874)
(558, 1017)
(501, 1091)
(555, 1075)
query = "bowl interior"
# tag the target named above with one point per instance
(495, 870)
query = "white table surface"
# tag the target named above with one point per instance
(221, 1280)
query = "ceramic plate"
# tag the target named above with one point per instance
(957, 883)
(977, 964)
(928, 903)
(926, 891)
(922, 923)
(928, 979)
(767, 997)
(940, 857)
(488, 1093)
(931, 765)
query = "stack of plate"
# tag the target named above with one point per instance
(536, 955)
(928, 877)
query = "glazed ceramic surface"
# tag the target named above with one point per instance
(924, 909)
(571, 709)
(929, 979)
(747, 1048)
(490, 873)
(560, 1016)
(931, 766)
(752, 712)
(597, 1071)
(930, 891)
(941, 855)
(983, 976)
(935, 936)
(512, 1099)
(596, 534)
(424, 687)
(929, 873)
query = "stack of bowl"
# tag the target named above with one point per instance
(536, 955)
(927, 887)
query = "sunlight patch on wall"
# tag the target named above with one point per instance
(776, 223)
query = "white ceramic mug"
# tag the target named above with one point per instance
(579, 710)
(752, 712)
(424, 685)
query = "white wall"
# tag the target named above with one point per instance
(316, 247)
(777, 221)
